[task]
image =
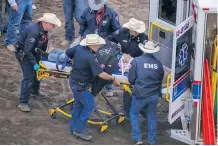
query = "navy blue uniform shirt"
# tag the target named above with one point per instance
(33, 37)
(129, 44)
(146, 75)
(108, 24)
(85, 64)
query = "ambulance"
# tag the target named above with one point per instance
(186, 31)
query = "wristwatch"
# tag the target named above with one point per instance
(113, 79)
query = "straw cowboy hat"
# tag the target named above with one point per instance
(50, 18)
(149, 47)
(96, 4)
(92, 39)
(135, 25)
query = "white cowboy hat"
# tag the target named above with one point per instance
(96, 4)
(50, 18)
(92, 39)
(149, 47)
(135, 25)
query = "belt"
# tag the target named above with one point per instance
(80, 83)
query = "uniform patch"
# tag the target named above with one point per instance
(117, 32)
(32, 40)
(104, 22)
(96, 60)
(102, 66)
(151, 66)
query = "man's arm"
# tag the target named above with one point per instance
(115, 25)
(70, 52)
(132, 73)
(29, 47)
(113, 37)
(83, 23)
(13, 4)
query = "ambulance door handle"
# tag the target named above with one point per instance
(183, 99)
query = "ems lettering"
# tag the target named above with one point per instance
(151, 66)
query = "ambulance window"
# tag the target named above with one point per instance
(185, 9)
(184, 50)
(167, 10)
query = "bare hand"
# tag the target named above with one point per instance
(15, 7)
(116, 82)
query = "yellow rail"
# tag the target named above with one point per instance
(214, 73)
(168, 86)
(159, 26)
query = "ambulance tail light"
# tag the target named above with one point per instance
(206, 9)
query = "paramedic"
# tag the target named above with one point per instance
(85, 68)
(34, 37)
(129, 37)
(146, 75)
(99, 19)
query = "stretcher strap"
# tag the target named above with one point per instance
(122, 64)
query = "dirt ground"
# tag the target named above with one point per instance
(37, 127)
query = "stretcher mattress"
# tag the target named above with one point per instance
(52, 66)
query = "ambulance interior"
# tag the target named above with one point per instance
(211, 51)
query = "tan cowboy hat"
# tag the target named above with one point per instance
(50, 18)
(96, 4)
(92, 39)
(135, 25)
(149, 47)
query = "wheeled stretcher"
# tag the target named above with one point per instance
(48, 69)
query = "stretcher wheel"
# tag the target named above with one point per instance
(52, 113)
(53, 116)
(120, 119)
(103, 128)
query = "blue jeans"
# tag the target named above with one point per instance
(109, 86)
(18, 21)
(72, 8)
(83, 107)
(29, 81)
(148, 104)
(127, 102)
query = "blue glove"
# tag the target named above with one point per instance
(36, 67)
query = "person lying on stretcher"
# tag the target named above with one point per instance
(110, 57)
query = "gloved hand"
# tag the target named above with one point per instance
(66, 61)
(36, 67)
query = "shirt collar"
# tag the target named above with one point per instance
(41, 30)
(148, 55)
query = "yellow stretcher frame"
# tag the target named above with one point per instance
(103, 124)
(43, 72)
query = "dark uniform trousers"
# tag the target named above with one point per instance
(29, 84)
(33, 37)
